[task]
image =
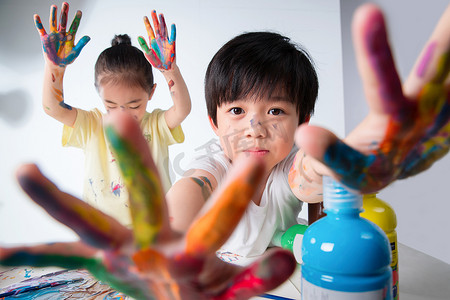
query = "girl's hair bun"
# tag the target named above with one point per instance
(121, 39)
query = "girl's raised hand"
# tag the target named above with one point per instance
(150, 261)
(161, 53)
(59, 45)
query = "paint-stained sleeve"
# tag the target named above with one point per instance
(158, 126)
(88, 124)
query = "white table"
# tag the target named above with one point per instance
(421, 277)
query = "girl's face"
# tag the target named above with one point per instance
(130, 99)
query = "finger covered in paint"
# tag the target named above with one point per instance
(264, 275)
(212, 229)
(39, 26)
(150, 33)
(94, 227)
(162, 25)
(52, 21)
(139, 172)
(425, 68)
(375, 61)
(156, 24)
(75, 23)
(65, 255)
(63, 18)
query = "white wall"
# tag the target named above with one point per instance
(28, 135)
(422, 202)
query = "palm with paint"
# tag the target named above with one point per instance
(59, 45)
(161, 53)
(150, 260)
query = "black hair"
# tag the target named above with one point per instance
(257, 64)
(123, 63)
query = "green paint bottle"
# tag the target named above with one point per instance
(291, 240)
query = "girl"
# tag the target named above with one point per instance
(124, 81)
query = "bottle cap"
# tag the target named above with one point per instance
(337, 196)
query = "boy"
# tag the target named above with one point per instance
(254, 99)
(259, 88)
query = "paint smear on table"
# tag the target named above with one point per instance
(63, 284)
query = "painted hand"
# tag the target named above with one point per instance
(151, 261)
(161, 53)
(59, 46)
(407, 128)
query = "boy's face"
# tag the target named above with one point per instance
(263, 128)
(130, 99)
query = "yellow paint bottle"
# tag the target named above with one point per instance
(382, 214)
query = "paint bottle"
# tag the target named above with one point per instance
(291, 240)
(344, 255)
(315, 212)
(382, 214)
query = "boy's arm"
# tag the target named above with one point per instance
(161, 55)
(59, 51)
(187, 197)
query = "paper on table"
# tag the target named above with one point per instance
(12, 275)
(77, 284)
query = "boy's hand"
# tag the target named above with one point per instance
(161, 53)
(151, 261)
(58, 46)
(407, 128)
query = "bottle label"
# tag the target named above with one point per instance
(394, 266)
(314, 292)
(394, 252)
(297, 248)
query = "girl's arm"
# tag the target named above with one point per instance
(180, 96)
(59, 51)
(161, 54)
(53, 96)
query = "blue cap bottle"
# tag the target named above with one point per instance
(344, 255)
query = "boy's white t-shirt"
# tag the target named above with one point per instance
(278, 209)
